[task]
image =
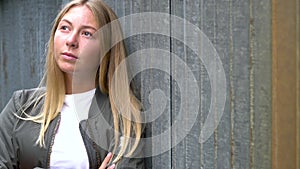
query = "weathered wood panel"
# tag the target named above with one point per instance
(241, 33)
(260, 83)
(25, 27)
(149, 79)
(285, 100)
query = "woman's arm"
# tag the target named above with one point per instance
(7, 121)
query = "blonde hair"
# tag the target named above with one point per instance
(55, 84)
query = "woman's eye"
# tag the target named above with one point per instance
(87, 34)
(64, 28)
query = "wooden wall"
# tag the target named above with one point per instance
(257, 42)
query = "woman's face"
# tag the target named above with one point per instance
(76, 46)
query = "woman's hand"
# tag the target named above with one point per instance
(105, 162)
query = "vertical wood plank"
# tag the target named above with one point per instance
(187, 149)
(221, 41)
(261, 81)
(2, 59)
(285, 67)
(160, 80)
(208, 26)
(240, 85)
(298, 79)
(260, 84)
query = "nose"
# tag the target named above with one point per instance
(72, 40)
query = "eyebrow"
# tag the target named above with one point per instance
(84, 26)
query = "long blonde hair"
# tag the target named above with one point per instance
(55, 84)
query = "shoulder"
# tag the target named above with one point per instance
(26, 98)
(15, 104)
(26, 95)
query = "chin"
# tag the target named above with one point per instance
(67, 70)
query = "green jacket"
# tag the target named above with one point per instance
(18, 148)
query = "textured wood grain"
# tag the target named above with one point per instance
(285, 84)
(150, 79)
(262, 86)
(24, 32)
(298, 79)
(191, 158)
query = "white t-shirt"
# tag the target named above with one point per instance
(68, 150)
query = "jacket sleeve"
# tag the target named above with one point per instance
(7, 121)
(135, 161)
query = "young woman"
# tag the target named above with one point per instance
(76, 120)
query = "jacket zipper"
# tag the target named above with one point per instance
(52, 140)
(94, 145)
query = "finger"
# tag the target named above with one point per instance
(111, 167)
(105, 161)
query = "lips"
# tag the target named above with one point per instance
(69, 56)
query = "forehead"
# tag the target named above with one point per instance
(80, 15)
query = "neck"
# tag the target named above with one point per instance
(78, 85)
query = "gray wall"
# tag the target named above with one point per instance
(239, 30)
